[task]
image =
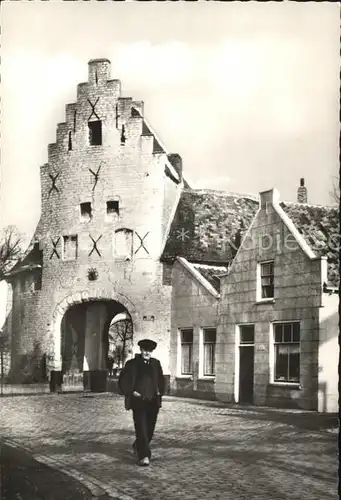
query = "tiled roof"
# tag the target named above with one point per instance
(320, 227)
(211, 273)
(208, 225)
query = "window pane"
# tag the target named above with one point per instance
(287, 332)
(294, 365)
(267, 269)
(187, 336)
(281, 372)
(209, 351)
(296, 332)
(247, 334)
(267, 292)
(278, 333)
(210, 335)
(186, 359)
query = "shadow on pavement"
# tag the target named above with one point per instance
(308, 420)
(23, 478)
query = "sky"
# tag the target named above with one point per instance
(246, 92)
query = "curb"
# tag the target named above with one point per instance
(98, 490)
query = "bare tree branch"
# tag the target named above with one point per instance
(121, 334)
(10, 249)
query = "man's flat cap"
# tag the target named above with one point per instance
(147, 344)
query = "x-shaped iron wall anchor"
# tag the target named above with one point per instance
(54, 179)
(96, 176)
(94, 247)
(93, 112)
(141, 242)
(54, 250)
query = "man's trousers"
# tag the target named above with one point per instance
(145, 415)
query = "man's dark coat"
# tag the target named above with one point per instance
(127, 378)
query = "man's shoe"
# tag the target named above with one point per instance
(144, 461)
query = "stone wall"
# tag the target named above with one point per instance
(193, 306)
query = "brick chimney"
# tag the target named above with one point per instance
(302, 194)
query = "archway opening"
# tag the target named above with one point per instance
(120, 337)
(86, 343)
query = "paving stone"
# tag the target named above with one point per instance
(200, 450)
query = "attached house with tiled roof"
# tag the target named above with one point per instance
(254, 304)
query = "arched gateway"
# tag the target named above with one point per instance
(80, 340)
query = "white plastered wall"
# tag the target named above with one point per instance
(328, 355)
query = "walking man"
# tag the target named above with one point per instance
(142, 383)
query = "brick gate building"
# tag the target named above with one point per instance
(108, 193)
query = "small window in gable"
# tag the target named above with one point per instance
(86, 211)
(113, 208)
(267, 280)
(95, 133)
(124, 244)
(70, 247)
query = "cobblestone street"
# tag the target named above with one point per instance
(201, 449)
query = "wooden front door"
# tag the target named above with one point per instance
(246, 364)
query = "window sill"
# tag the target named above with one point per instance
(289, 385)
(184, 377)
(265, 301)
(207, 378)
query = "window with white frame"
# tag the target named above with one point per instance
(209, 338)
(287, 352)
(267, 280)
(186, 339)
